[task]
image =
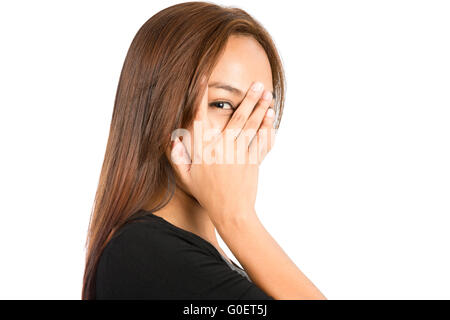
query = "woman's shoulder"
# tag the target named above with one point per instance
(145, 252)
(140, 230)
(151, 232)
(152, 259)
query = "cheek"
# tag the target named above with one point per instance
(217, 119)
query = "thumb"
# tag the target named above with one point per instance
(181, 160)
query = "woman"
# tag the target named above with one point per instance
(160, 200)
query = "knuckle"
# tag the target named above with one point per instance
(262, 106)
(252, 123)
(254, 96)
(238, 118)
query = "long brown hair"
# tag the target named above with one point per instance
(159, 87)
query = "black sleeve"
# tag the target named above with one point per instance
(145, 262)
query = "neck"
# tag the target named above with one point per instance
(186, 213)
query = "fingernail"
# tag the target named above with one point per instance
(257, 86)
(270, 113)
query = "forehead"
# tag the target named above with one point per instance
(244, 61)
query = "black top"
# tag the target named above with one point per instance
(150, 258)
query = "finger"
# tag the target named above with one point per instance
(242, 113)
(256, 118)
(265, 138)
(180, 160)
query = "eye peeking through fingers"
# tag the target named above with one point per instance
(224, 105)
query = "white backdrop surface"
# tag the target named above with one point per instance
(356, 189)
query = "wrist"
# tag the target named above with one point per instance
(236, 221)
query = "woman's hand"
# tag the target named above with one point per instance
(227, 190)
(223, 175)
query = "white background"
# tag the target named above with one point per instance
(356, 189)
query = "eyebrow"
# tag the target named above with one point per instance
(233, 90)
